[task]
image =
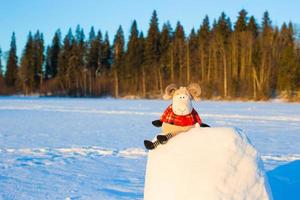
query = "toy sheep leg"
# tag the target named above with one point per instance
(170, 130)
(151, 145)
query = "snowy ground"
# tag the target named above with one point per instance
(65, 148)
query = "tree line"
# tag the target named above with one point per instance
(244, 59)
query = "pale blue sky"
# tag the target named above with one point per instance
(22, 16)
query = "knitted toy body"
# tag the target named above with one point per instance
(174, 124)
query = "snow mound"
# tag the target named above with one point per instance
(206, 163)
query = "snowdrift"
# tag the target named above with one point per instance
(206, 163)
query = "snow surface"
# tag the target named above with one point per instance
(93, 148)
(206, 163)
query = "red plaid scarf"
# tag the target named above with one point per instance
(180, 120)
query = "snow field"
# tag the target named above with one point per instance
(93, 148)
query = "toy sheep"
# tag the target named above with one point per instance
(180, 116)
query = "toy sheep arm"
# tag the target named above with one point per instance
(157, 123)
(196, 116)
(166, 114)
(199, 121)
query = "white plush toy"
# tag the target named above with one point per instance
(180, 116)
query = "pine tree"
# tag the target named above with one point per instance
(12, 64)
(152, 53)
(31, 72)
(222, 34)
(27, 67)
(192, 57)
(224, 26)
(152, 41)
(240, 46)
(92, 34)
(255, 53)
(252, 26)
(265, 76)
(241, 23)
(104, 71)
(1, 67)
(82, 73)
(118, 56)
(76, 70)
(2, 87)
(106, 55)
(142, 47)
(266, 23)
(94, 50)
(54, 51)
(38, 51)
(165, 48)
(287, 61)
(179, 53)
(204, 46)
(63, 63)
(48, 63)
(94, 53)
(133, 60)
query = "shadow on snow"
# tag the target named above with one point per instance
(285, 181)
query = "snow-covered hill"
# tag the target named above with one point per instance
(93, 148)
(206, 163)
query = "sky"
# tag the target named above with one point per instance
(22, 16)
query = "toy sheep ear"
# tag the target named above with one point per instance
(195, 91)
(169, 91)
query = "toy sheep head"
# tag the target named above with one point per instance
(182, 97)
